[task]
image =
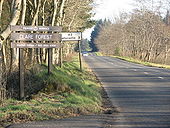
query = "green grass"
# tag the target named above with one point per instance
(67, 92)
(15, 108)
(142, 62)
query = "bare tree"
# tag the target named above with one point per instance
(14, 20)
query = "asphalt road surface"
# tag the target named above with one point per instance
(142, 95)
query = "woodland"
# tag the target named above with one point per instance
(143, 34)
(71, 15)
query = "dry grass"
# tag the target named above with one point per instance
(142, 62)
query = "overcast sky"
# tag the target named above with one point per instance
(109, 9)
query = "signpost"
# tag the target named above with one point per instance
(23, 37)
(71, 36)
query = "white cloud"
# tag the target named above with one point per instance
(87, 33)
(111, 8)
(108, 9)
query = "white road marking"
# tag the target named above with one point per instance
(135, 70)
(146, 73)
(161, 78)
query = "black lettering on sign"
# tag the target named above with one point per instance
(35, 37)
(34, 45)
(36, 28)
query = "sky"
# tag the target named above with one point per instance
(111, 8)
(108, 9)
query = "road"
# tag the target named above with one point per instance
(141, 93)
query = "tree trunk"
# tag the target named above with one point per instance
(1, 5)
(24, 7)
(14, 20)
(61, 11)
(42, 50)
(73, 18)
(54, 12)
(33, 56)
(55, 2)
(60, 23)
(36, 12)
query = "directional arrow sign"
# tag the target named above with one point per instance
(35, 37)
(71, 36)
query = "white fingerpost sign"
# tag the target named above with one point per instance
(71, 36)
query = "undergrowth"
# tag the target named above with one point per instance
(65, 92)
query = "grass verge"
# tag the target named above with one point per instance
(142, 62)
(68, 92)
(98, 54)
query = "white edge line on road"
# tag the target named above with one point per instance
(161, 78)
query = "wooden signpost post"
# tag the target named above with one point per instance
(0, 64)
(2, 84)
(22, 39)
